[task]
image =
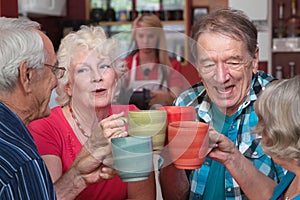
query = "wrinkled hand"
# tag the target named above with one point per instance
(222, 146)
(114, 126)
(161, 97)
(91, 169)
(94, 158)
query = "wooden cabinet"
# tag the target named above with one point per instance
(9, 8)
(283, 51)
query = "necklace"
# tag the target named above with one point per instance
(147, 72)
(77, 123)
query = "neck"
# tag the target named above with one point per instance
(87, 117)
(18, 105)
(102, 113)
(147, 57)
(294, 188)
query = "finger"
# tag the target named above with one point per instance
(117, 116)
(108, 161)
(113, 117)
(120, 134)
(213, 136)
(113, 123)
(114, 133)
(107, 172)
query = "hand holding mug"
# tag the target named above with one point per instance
(114, 126)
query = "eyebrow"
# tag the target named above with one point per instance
(205, 59)
(235, 58)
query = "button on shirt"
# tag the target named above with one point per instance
(240, 132)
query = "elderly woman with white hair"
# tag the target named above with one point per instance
(278, 113)
(85, 95)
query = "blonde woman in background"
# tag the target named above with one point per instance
(85, 94)
(149, 64)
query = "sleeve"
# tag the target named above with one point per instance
(47, 136)
(128, 60)
(31, 181)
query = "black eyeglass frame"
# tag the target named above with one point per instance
(57, 71)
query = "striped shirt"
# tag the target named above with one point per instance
(240, 132)
(23, 173)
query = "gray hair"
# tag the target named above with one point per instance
(87, 38)
(278, 112)
(19, 41)
(229, 22)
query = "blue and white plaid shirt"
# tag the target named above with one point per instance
(240, 132)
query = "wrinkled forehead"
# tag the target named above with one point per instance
(219, 45)
(83, 55)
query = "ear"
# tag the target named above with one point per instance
(255, 61)
(68, 89)
(25, 77)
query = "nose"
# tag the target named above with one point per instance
(145, 40)
(97, 76)
(221, 73)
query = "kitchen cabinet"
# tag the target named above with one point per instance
(9, 8)
(284, 51)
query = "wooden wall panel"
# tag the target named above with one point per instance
(9, 8)
(212, 4)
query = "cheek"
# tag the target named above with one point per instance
(245, 81)
(110, 79)
(80, 86)
(206, 78)
(155, 41)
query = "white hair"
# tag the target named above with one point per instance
(92, 37)
(19, 41)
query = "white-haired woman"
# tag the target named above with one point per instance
(278, 113)
(85, 95)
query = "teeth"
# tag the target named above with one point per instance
(223, 90)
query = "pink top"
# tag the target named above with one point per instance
(54, 136)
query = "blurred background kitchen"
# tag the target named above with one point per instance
(277, 21)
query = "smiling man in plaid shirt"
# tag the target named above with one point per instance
(226, 53)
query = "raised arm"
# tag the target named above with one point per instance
(254, 183)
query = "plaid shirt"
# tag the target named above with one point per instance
(249, 144)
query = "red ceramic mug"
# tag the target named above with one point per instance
(179, 113)
(187, 140)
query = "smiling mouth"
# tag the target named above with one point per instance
(225, 90)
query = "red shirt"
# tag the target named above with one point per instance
(54, 136)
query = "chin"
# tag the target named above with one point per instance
(102, 104)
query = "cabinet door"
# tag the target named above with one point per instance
(284, 51)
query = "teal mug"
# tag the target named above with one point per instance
(133, 158)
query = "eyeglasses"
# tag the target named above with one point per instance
(57, 71)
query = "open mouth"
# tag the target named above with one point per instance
(225, 90)
(99, 90)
